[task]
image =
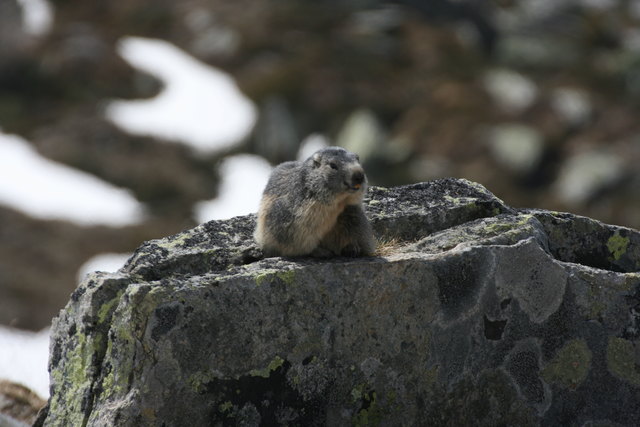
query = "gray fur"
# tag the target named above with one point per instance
(315, 208)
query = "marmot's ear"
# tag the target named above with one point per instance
(316, 160)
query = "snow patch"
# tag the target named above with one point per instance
(37, 16)
(243, 178)
(199, 105)
(108, 262)
(23, 358)
(45, 189)
(311, 144)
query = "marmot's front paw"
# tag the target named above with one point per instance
(321, 252)
(351, 251)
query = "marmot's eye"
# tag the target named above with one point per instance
(333, 165)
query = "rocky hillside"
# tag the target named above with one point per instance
(473, 313)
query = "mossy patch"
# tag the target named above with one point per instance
(570, 366)
(617, 245)
(621, 360)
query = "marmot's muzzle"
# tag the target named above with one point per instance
(357, 178)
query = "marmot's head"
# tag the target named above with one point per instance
(340, 171)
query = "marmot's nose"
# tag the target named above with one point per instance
(357, 178)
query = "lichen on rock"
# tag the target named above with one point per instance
(570, 366)
(479, 314)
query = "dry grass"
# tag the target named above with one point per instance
(387, 247)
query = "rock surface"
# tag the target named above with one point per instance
(475, 313)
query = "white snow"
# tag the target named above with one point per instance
(572, 104)
(512, 91)
(243, 178)
(37, 16)
(45, 189)
(517, 147)
(23, 358)
(109, 262)
(311, 144)
(199, 106)
(585, 174)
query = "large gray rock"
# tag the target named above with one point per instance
(475, 314)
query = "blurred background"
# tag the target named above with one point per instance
(126, 121)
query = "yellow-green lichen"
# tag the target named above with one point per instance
(122, 339)
(500, 227)
(199, 380)
(296, 380)
(617, 245)
(106, 308)
(174, 241)
(108, 382)
(286, 276)
(621, 360)
(226, 408)
(266, 372)
(467, 202)
(260, 278)
(493, 227)
(74, 377)
(371, 413)
(357, 392)
(571, 365)
(116, 380)
(109, 386)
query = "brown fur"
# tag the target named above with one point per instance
(316, 221)
(323, 217)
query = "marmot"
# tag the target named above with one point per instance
(315, 208)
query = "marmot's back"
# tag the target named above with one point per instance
(315, 208)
